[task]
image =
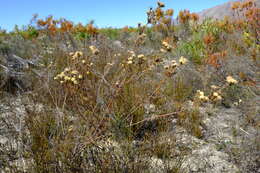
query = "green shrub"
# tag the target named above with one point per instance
(112, 33)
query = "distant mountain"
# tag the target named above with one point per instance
(220, 11)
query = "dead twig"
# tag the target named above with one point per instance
(155, 117)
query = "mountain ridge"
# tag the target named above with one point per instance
(220, 11)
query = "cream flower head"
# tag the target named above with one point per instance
(94, 50)
(216, 96)
(163, 50)
(80, 76)
(214, 87)
(231, 80)
(74, 72)
(140, 56)
(183, 60)
(174, 64)
(202, 97)
(130, 62)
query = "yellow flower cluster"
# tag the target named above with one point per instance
(133, 58)
(216, 96)
(94, 50)
(174, 64)
(69, 75)
(231, 80)
(214, 87)
(76, 54)
(130, 60)
(131, 52)
(246, 35)
(238, 102)
(117, 54)
(201, 96)
(141, 56)
(182, 60)
(171, 66)
(167, 46)
(163, 50)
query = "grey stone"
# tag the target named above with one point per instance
(13, 72)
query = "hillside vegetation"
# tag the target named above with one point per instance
(167, 96)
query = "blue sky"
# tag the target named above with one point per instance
(105, 13)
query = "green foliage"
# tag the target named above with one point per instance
(32, 32)
(193, 49)
(196, 48)
(112, 33)
(209, 26)
(28, 32)
(82, 36)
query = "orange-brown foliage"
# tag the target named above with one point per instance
(215, 59)
(235, 5)
(92, 30)
(66, 26)
(194, 16)
(184, 16)
(169, 12)
(158, 13)
(208, 39)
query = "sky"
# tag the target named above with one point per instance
(105, 13)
